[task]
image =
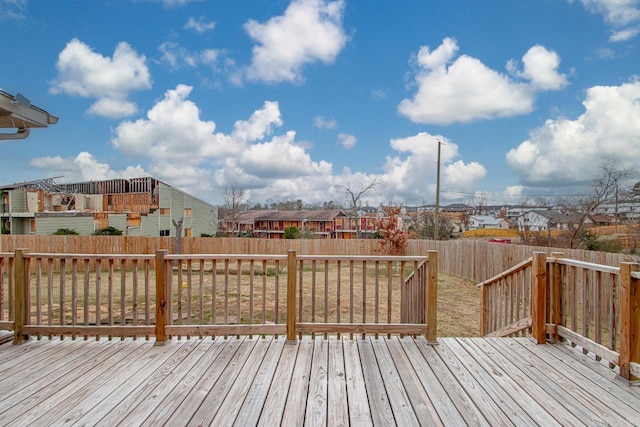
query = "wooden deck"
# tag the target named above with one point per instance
(265, 381)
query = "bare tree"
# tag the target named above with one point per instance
(234, 204)
(479, 202)
(354, 200)
(608, 187)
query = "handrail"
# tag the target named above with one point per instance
(82, 295)
(593, 306)
(516, 268)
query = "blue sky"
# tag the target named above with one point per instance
(300, 99)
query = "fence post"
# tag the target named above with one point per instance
(291, 297)
(629, 319)
(431, 298)
(539, 297)
(484, 311)
(21, 305)
(555, 297)
(161, 297)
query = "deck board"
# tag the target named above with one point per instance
(248, 381)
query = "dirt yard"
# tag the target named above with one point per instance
(458, 307)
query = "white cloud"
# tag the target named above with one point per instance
(411, 176)
(175, 144)
(174, 3)
(463, 89)
(173, 130)
(567, 152)
(13, 9)
(308, 32)
(84, 167)
(378, 94)
(83, 72)
(199, 25)
(622, 15)
(540, 67)
(347, 141)
(323, 123)
(177, 56)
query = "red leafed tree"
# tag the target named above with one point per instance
(394, 238)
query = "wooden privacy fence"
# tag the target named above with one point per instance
(474, 260)
(166, 295)
(594, 306)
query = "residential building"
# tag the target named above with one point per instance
(477, 222)
(138, 206)
(270, 224)
(546, 220)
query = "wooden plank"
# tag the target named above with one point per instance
(513, 328)
(337, 402)
(206, 383)
(566, 358)
(147, 388)
(31, 365)
(295, 406)
(118, 394)
(43, 396)
(254, 401)
(316, 410)
(410, 402)
(71, 330)
(493, 379)
(555, 400)
(589, 395)
(230, 407)
(440, 395)
(178, 394)
(359, 410)
(587, 344)
(381, 411)
(277, 396)
(216, 395)
(74, 402)
(495, 413)
(215, 330)
(361, 328)
(144, 408)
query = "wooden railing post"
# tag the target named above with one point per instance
(539, 297)
(484, 311)
(555, 297)
(161, 297)
(21, 304)
(629, 319)
(291, 296)
(431, 298)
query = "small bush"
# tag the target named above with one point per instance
(65, 232)
(292, 233)
(108, 231)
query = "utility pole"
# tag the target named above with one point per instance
(437, 222)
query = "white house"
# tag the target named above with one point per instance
(485, 221)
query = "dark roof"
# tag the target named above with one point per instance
(249, 217)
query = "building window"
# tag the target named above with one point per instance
(165, 211)
(187, 212)
(165, 233)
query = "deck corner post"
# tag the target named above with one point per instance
(431, 299)
(484, 311)
(291, 296)
(539, 297)
(555, 293)
(629, 319)
(21, 306)
(161, 298)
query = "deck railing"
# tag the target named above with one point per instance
(596, 307)
(165, 295)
